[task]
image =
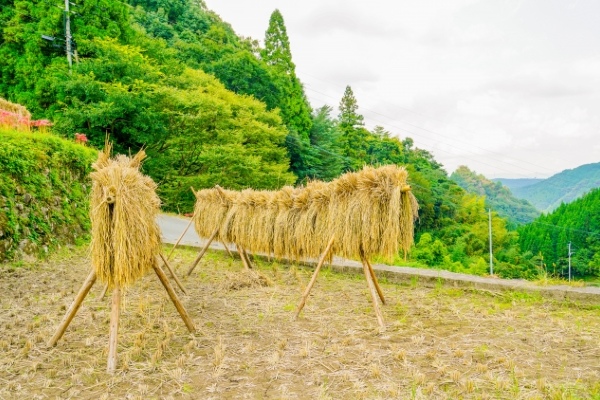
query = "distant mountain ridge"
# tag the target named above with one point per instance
(517, 183)
(498, 196)
(564, 187)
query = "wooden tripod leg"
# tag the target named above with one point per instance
(104, 292)
(241, 253)
(374, 278)
(244, 257)
(87, 285)
(373, 295)
(173, 274)
(182, 235)
(197, 260)
(114, 330)
(314, 278)
(165, 282)
(228, 251)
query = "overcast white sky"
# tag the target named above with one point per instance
(509, 88)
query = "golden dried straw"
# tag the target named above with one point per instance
(212, 206)
(124, 205)
(14, 108)
(370, 212)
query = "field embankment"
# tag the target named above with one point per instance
(44, 192)
(441, 342)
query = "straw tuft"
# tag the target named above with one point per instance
(124, 205)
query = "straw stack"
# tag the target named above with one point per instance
(124, 205)
(14, 108)
(370, 212)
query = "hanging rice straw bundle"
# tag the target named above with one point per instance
(283, 232)
(212, 206)
(312, 229)
(367, 213)
(341, 224)
(124, 205)
(243, 219)
(265, 212)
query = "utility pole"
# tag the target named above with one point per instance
(491, 253)
(68, 35)
(570, 261)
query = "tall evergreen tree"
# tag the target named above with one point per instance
(277, 51)
(324, 138)
(349, 117)
(293, 104)
(354, 136)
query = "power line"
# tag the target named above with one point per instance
(438, 150)
(444, 122)
(444, 136)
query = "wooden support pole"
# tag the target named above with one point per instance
(228, 251)
(244, 257)
(241, 253)
(182, 235)
(173, 274)
(111, 365)
(373, 295)
(197, 260)
(87, 285)
(374, 277)
(104, 292)
(314, 278)
(180, 308)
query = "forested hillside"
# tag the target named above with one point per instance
(497, 196)
(563, 187)
(44, 189)
(577, 223)
(212, 108)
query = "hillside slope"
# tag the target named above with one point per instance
(498, 197)
(44, 188)
(563, 187)
(513, 184)
(577, 225)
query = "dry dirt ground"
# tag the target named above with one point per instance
(441, 342)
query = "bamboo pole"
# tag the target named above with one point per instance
(182, 235)
(85, 288)
(243, 257)
(227, 249)
(197, 260)
(314, 278)
(173, 274)
(373, 295)
(374, 277)
(104, 292)
(114, 330)
(180, 308)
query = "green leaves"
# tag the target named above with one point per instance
(43, 189)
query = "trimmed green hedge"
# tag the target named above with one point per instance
(44, 192)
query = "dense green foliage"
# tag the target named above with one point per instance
(563, 187)
(44, 190)
(577, 223)
(497, 196)
(135, 88)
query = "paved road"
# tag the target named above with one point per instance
(173, 226)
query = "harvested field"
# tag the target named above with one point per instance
(441, 342)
